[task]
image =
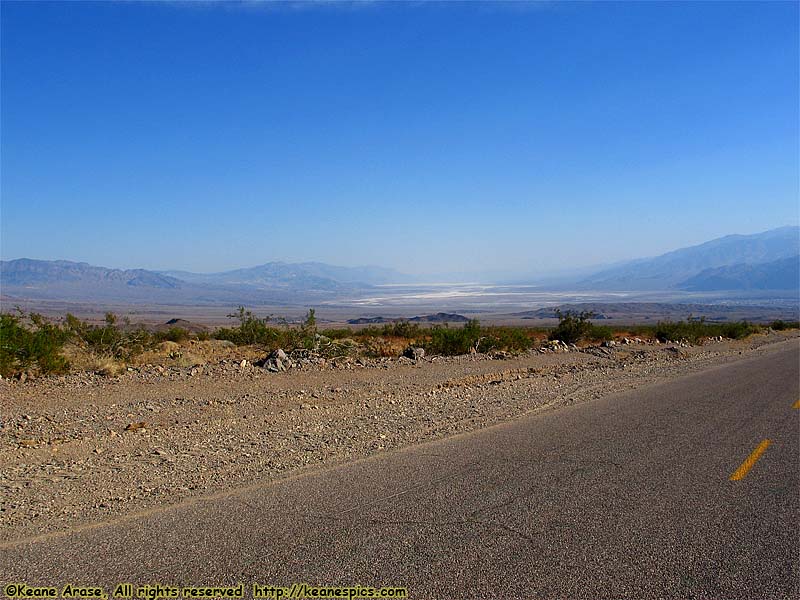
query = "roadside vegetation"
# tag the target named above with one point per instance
(694, 330)
(109, 339)
(31, 344)
(35, 343)
(575, 327)
(784, 325)
(255, 331)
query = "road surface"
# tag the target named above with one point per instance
(629, 496)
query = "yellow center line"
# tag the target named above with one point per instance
(796, 404)
(751, 460)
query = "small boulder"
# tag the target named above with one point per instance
(140, 426)
(414, 353)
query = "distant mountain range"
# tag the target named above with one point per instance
(272, 283)
(33, 273)
(776, 275)
(766, 261)
(81, 282)
(313, 275)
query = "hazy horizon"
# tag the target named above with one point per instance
(479, 277)
(522, 139)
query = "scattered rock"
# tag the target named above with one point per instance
(140, 426)
(555, 346)
(225, 429)
(414, 353)
(277, 362)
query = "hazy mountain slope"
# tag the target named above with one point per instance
(28, 272)
(672, 269)
(766, 261)
(781, 274)
(281, 274)
(65, 280)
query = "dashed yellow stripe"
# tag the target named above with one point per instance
(751, 460)
(796, 404)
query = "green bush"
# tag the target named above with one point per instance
(600, 333)
(109, 339)
(693, 330)
(405, 329)
(173, 334)
(308, 331)
(781, 325)
(572, 327)
(23, 347)
(451, 342)
(512, 339)
(402, 329)
(251, 330)
(338, 334)
(735, 331)
(255, 331)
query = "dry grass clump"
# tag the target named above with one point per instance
(107, 365)
(382, 347)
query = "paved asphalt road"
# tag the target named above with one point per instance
(624, 497)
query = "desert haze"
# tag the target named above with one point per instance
(746, 269)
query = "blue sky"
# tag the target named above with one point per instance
(425, 137)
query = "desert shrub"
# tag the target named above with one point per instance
(308, 331)
(256, 331)
(400, 329)
(512, 339)
(381, 347)
(736, 331)
(251, 330)
(600, 333)
(671, 331)
(781, 325)
(337, 348)
(338, 334)
(23, 347)
(693, 330)
(370, 331)
(405, 329)
(173, 334)
(109, 339)
(642, 331)
(106, 365)
(203, 336)
(453, 341)
(572, 327)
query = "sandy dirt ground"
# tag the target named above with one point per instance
(83, 448)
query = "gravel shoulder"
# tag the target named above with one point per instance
(84, 449)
